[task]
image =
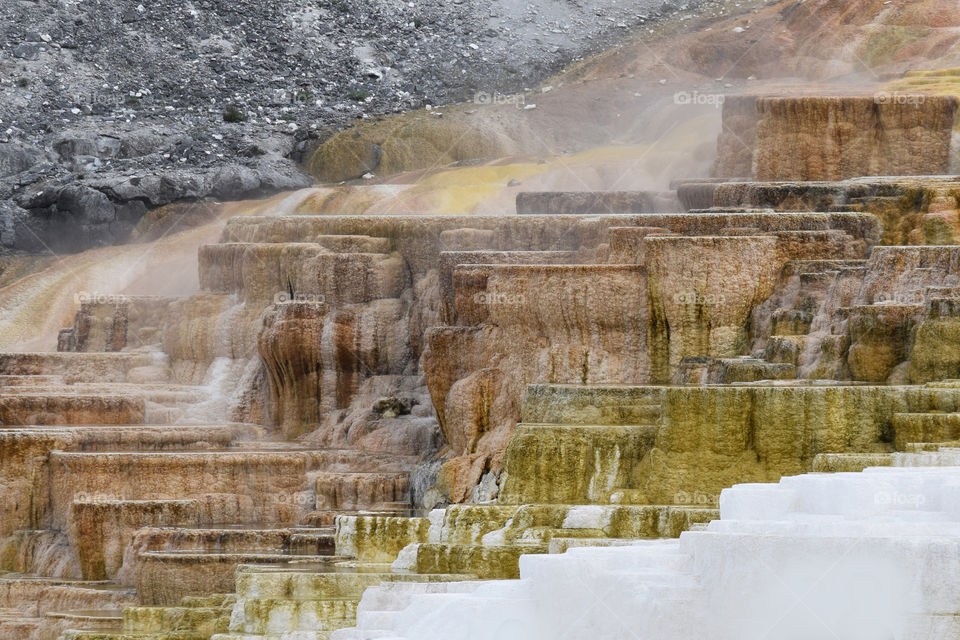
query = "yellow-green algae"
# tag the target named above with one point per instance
(845, 462)
(378, 539)
(203, 620)
(915, 428)
(936, 348)
(571, 464)
(486, 562)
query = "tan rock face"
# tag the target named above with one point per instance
(316, 360)
(115, 323)
(100, 531)
(874, 321)
(880, 337)
(935, 353)
(773, 138)
(41, 409)
(266, 480)
(702, 291)
(477, 405)
(536, 323)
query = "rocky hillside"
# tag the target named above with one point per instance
(637, 93)
(111, 109)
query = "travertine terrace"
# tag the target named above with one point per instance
(817, 137)
(360, 419)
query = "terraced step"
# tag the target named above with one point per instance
(745, 369)
(816, 269)
(35, 596)
(193, 616)
(352, 490)
(572, 463)
(592, 404)
(204, 621)
(100, 367)
(166, 577)
(14, 626)
(350, 460)
(15, 381)
(380, 605)
(101, 531)
(925, 427)
(98, 635)
(266, 272)
(270, 481)
(71, 409)
(26, 469)
(846, 462)
(378, 538)
(160, 393)
(328, 517)
(322, 582)
(486, 562)
(237, 539)
(100, 621)
(104, 438)
(924, 447)
(418, 237)
(374, 539)
(450, 260)
(319, 601)
(562, 545)
(791, 322)
(943, 456)
(269, 616)
(160, 404)
(273, 445)
(301, 635)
